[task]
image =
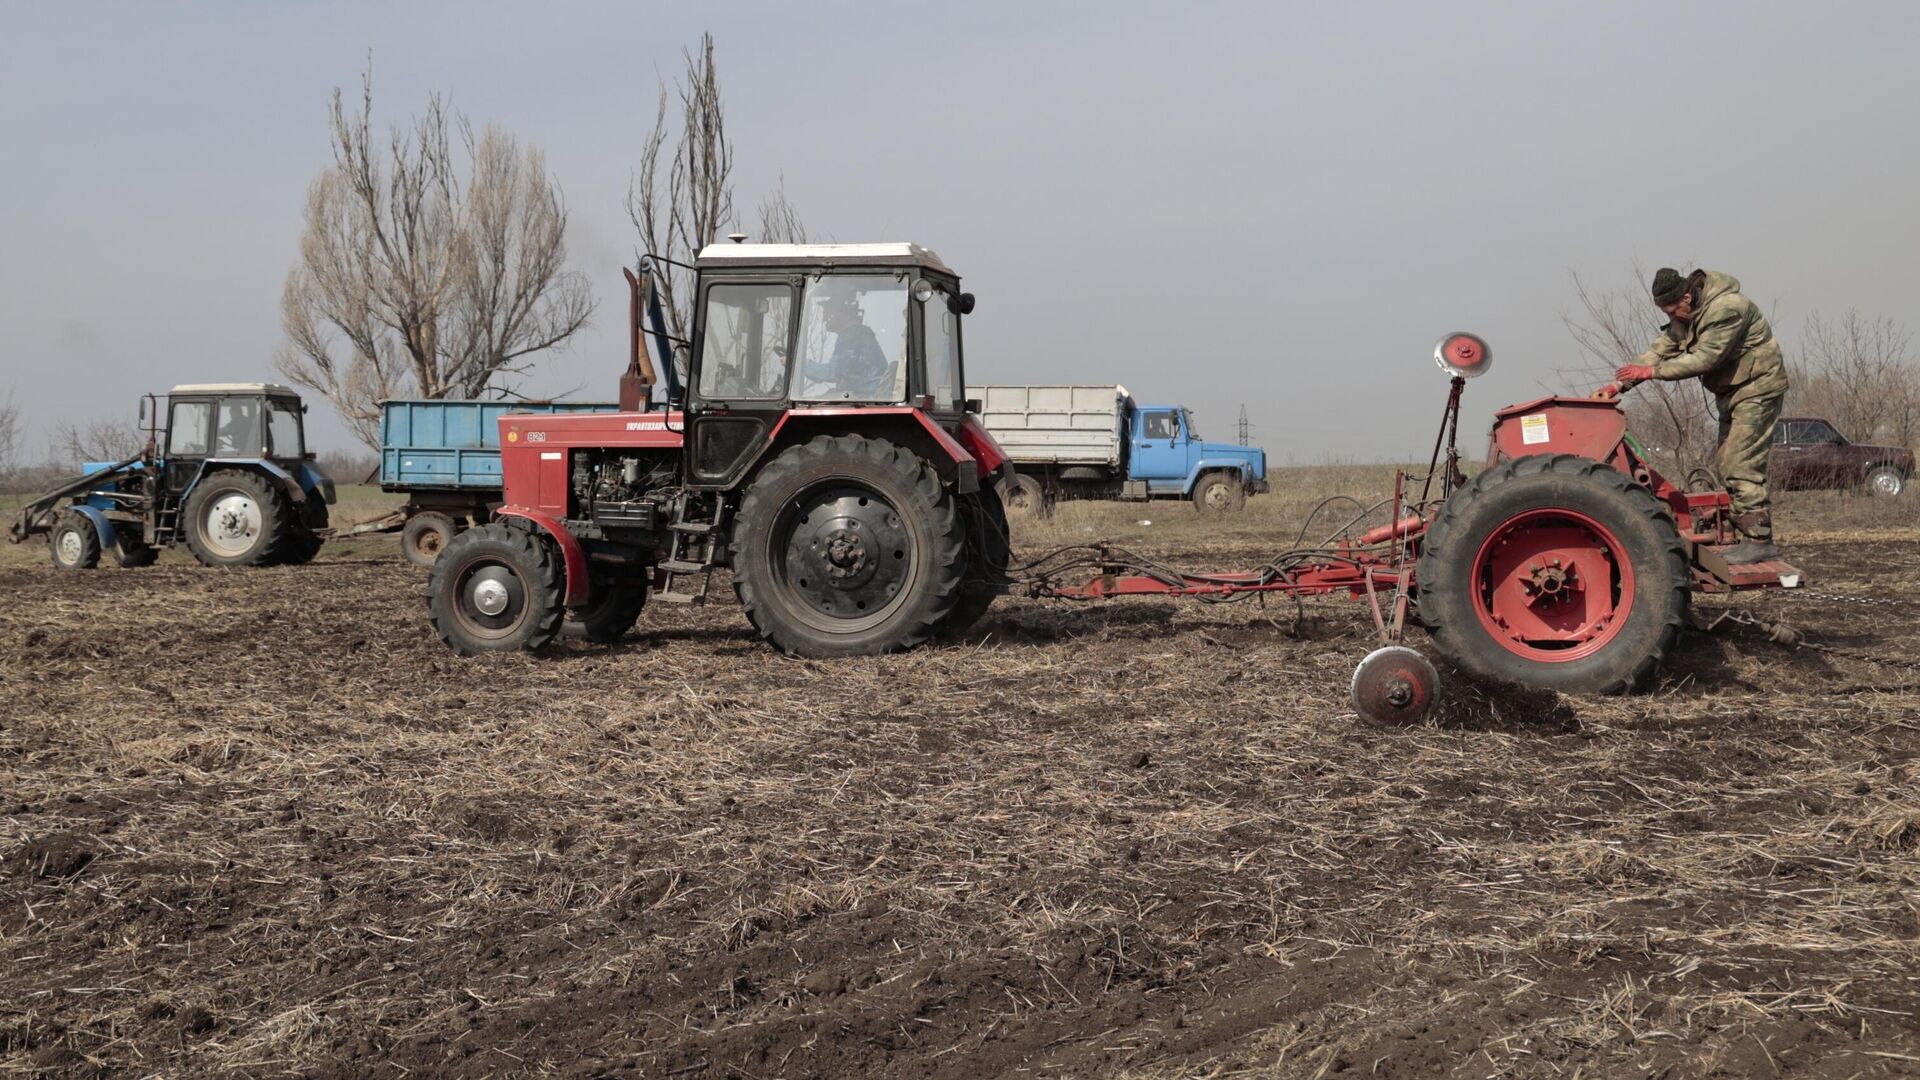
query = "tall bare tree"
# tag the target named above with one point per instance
(681, 198)
(416, 282)
(1675, 420)
(1859, 372)
(96, 440)
(780, 221)
(11, 432)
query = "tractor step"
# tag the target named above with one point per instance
(696, 528)
(670, 596)
(682, 566)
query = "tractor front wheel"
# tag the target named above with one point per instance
(74, 542)
(847, 546)
(1022, 494)
(496, 588)
(1554, 571)
(989, 550)
(238, 519)
(613, 606)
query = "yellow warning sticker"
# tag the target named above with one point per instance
(1533, 429)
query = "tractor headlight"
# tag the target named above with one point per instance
(922, 290)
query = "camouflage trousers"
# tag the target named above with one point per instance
(1746, 436)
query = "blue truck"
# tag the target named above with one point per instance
(1096, 442)
(445, 457)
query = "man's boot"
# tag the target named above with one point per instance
(1756, 544)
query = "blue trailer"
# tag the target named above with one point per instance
(445, 457)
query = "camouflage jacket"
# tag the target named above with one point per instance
(1727, 344)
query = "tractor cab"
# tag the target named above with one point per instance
(230, 421)
(814, 329)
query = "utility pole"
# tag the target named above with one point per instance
(1244, 429)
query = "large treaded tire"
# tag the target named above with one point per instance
(610, 612)
(425, 535)
(531, 581)
(989, 550)
(1022, 494)
(788, 608)
(73, 542)
(1219, 492)
(269, 540)
(1451, 600)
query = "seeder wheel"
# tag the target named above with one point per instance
(1394, 685)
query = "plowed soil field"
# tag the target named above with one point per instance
(261, 823)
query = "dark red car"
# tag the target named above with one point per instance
(1809, 453)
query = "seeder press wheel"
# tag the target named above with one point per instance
(1394, 685)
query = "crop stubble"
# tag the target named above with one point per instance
(262, 823)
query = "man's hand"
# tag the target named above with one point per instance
(1633, 373)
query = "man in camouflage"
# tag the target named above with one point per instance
(1718, 336)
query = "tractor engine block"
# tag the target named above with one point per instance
(625, 489)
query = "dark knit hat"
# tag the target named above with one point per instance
(1669, 285)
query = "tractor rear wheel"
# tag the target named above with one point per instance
(847, 546)
(1219, 493)
(496, 588)
(74, 542)
(1554, 571)
(425, 536)
(612, 608)
(989, 550)
(238, 518)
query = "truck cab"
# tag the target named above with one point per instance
(1170, 459)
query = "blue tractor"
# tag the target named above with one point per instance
(228, 475)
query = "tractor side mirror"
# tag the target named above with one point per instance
(961, 304)
(143, 410)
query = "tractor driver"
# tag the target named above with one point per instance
(858, 366)
(1719, 336)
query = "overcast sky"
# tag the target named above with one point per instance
(1281, 205)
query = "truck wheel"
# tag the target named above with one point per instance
(1219, 493)
(496, 588)
(1885, 480)
(611, 610)
(132, 551)
(989, 550)
(847, 546)
(1022, 494)
(74, 542)
(1554, 571)
(425, 536)
(237, 518)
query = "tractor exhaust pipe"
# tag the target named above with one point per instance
(636, 385)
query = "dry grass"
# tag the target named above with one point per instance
(261, 823)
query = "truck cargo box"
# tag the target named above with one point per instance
(453, 445)
(1058, 424)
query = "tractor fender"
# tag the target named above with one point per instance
(572, 555)
(295, 491)
(314, 478)
(1236, 466)
(100, 524)
(907, 426)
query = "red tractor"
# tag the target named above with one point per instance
(821, 447)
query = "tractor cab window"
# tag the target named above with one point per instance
(239, 430)
(1160, 425)
(943, 353)
(743, 353)
(283, 426)
(187, 429)
(853, 339)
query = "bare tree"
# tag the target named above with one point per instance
(96, 440)
(11, 431)
(1859, 372)
(414, 283)
(1674, 420)
(779, 219)
(680, 200)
